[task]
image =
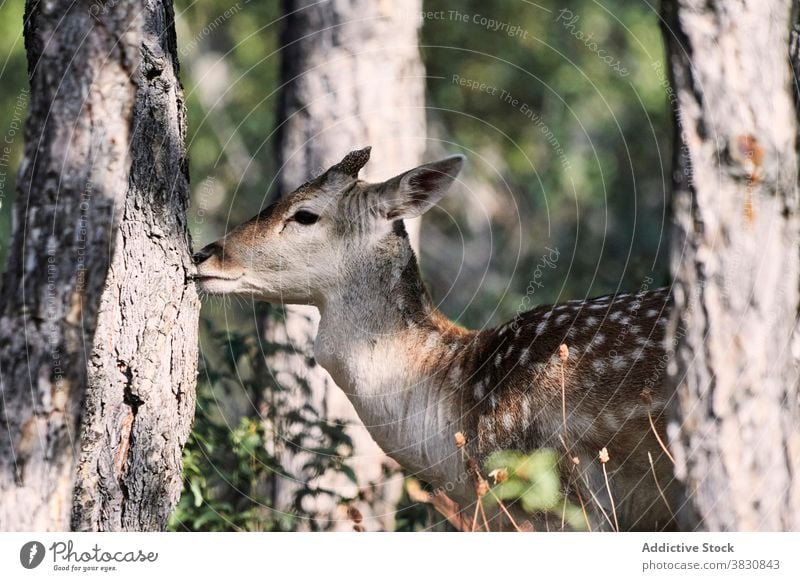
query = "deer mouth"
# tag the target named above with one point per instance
(216, 283)
(209, 277)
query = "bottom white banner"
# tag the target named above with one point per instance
(349, 556)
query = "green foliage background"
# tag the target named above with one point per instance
(600, 204)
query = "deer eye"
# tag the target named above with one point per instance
(305, 217)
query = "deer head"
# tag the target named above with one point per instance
(297, 250)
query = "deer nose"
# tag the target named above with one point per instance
(206, 252)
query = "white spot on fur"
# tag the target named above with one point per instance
(498, 359)
(615, 316)
(431, 341)
(590, 321)
(485, 427)
(562, 318)
(478, 390)
(541, 327)
(651, 313)
(618, 362)
(624, 320)
(508, 352)
(508, 421)
(598, 306)
(523, 356)
(599, 366)
(526, 412)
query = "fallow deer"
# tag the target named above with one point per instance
(416, 378)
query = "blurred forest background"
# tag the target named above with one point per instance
(562, 112)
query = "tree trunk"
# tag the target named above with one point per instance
(97, 313)
(353, 78)
(736, 428)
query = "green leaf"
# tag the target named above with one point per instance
(197, 493)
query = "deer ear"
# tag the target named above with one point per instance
(416, 191)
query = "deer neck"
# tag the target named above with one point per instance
(384, 343)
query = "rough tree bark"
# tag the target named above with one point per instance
(97, 312)
(736, 429)
(353, 77)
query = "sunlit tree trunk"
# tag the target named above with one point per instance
(98, 321)
(353, 78)
(736, 428)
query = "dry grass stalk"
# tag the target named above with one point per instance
(604, 457)
(660, 441)
(576, 462)
(355, 515)
(482, 485)
(475, 517)
(658, 486)
(647, 399)
(505, 510)
(441, 503)
(563, 355)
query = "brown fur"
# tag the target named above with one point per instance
(612, 378)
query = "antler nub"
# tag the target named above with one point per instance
(353, 162)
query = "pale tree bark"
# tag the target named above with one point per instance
(97, 313)
(353, 78)
(736, 428)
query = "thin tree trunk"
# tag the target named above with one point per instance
(354, 78)
(736, 429)
(97, 313)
